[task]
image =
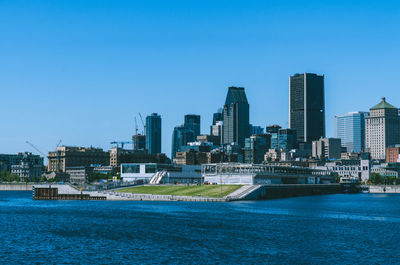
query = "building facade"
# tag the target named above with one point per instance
(255, 130)
(9, 160)
(382, 129)
(29, 168)
(78, 175)
(72, 156)
(273, 130)
(181, 137)
(119, 156)
(287, 139)
(350, 128)
(158, 173)
(327, 148)
(192, 122)
(236, 116)
(307, 106)
(153, 133)
(255, 149)
(217, 130)
(139, 142)
(393, 154)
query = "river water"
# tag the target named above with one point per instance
(327, 229)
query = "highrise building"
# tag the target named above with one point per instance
(350, 128)
(216, 127)
(181, 136)
(327, 148)
(217, 130)
(307, 106)
(382, 129)
(153, 133)
(255, 148)
(274, 131)
(139, 142)
(255, 130)
(287, 139)
(217, 116)
(236, 116)
(393, 154)
(72, 156)
(192, 122)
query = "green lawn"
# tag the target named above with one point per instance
(203, 190)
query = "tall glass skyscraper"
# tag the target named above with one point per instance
(236, 116)
(350, 128)
(274, 131)
(180, 137)
(307, 106)
(153, 133)
(192, 122)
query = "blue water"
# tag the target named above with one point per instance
(329, 229)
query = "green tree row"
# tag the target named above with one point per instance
(378, 179)
(6, 176)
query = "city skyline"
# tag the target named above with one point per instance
(86, 84)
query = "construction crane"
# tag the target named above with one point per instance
(58, 157)
(144, 125)
(34, 147)
(121, 143)
(136, 129)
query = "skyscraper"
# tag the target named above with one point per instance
(217, 116)
(382, 129)
(236, 116)
(255, 130)
(307, 106)
(287, 139)
(153, 133)
(255, 148)
(350, 128)
(192, 122)
(180, 137)
(274, 131)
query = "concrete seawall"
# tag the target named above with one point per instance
(292, 190)
(10, 187)
(383, 188)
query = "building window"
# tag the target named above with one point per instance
(130, 168)
(151, 168)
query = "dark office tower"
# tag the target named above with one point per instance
(307, 106)
(180, 137)
(139, 142)
(236, 116)
(216, 127)
(192, 122)
(273, 130)
(217, 116)
(153, 133)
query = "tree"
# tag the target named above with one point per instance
(336, 177)
(376, 178)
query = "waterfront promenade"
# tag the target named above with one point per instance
(16, 186)
(246, 192)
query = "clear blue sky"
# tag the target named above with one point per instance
(81, 70)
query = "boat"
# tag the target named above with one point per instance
(350, 185)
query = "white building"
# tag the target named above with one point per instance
(154, 173)
(382, 129)
(252, 174)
